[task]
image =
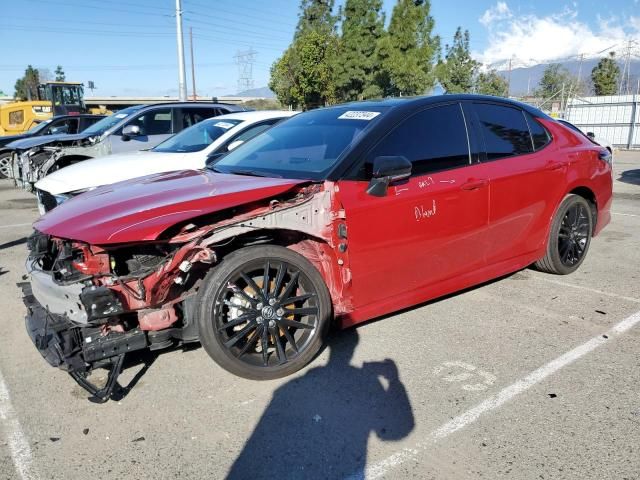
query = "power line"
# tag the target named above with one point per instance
(95, 7)
(221, 10)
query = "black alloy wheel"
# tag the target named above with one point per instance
(573, 234)
(569, 236)
(263, 312)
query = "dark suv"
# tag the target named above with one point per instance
(62, 124)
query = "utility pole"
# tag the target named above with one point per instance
(182, 78)
(193, 65)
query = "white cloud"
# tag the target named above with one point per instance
(531, 39)
(500, 11)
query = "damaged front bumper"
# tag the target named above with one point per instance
(77, 348)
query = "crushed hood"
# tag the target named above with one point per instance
(141, 209)
(108, 169)
(26, 143)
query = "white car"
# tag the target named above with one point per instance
(192, 148)
(599, 140)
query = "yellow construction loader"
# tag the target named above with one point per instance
(54, 98)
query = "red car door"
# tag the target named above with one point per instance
(427, 229)
(527, 180)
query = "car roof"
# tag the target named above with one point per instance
(255, 116)
(411, 103)
(231, 106)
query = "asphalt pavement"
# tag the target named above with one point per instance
(532, 376)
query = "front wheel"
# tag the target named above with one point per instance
(569, 237)
(263, 312)
(5, 165)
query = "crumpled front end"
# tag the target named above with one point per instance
(87, 307)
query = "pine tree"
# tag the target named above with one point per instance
(491, 83)
(408, 50)
(59, 73)
(27, 86)
(357, 61)
(605, 75)
(457, 72)
(304, 76)
(555, 79)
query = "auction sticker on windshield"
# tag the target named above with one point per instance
(224, 125)
(358, 115)
(121, 115)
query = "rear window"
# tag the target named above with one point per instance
(539, 134)
(505, 131)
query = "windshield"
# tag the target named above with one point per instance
(198, 137)
(106, 123)
(306, 146)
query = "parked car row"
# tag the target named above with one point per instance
(332, 216)
(130, 129)
(62, 124)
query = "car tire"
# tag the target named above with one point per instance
(246, 329)
(5, 165)
(569, 237)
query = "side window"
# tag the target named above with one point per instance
(252, 131)
(155, 122)
(191, 116)
(539, 134)
(504, 129)
(68, 125)
(433, 140)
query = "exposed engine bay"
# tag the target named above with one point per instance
(35, 163)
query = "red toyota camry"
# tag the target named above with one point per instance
(336, 215)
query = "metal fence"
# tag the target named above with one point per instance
(615, 118)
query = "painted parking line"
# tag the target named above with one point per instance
(16, 225)
(581, 287)
(625, 214)
(381, 468)
(18, 444)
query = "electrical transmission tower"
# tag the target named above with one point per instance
(625, 79)
(245, 60)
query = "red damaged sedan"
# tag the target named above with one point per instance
(339, 214)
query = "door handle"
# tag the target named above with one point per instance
(474, 184)
(555, 166)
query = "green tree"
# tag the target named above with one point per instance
(316, 15)
(59, 73)
(304, 76)
(557, 79)
(357, 62)
(26, 87)
(458, 70)
(491, 83)
(605, 75)
(408, 50)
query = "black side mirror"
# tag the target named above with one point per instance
(388, 170)
(591, 135)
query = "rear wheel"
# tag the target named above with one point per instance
(263, 312)
(569, 237)
(5, 165)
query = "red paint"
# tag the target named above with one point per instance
(429, 236)
(142, 208)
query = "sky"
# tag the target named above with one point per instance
(128, 47)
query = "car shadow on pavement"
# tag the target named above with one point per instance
(630, 176)
(13, 243)
(318, 425)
